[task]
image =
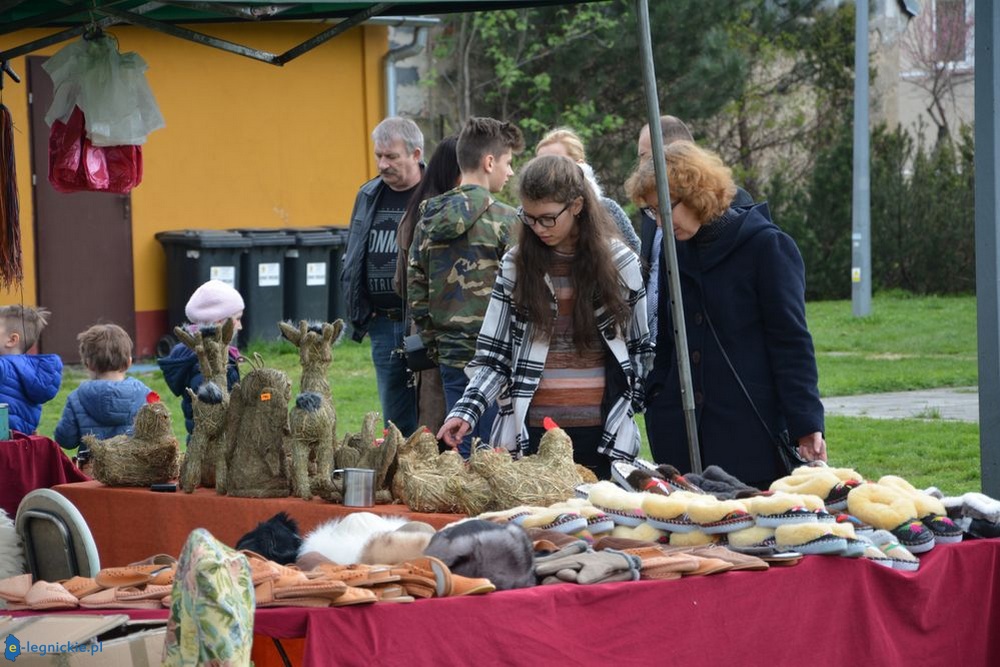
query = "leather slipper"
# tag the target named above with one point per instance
(45, 595)
(81, 587)
(13, 589)
(357, 575)
(136, 575)
(392, 593)
(128, 597)
(353, 596)
(708, 566)
(470, 585)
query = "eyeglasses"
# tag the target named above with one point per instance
(543, 220)
(652, 212)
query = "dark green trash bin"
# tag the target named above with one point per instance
(263, 283)
(309, 279)
(195, 256)
(338, 304)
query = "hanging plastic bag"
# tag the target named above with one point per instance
(109, 87)
(75, 164)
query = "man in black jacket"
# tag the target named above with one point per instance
(373, 306)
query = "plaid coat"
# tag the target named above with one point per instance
(510, 359)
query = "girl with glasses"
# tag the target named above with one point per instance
(565, 334)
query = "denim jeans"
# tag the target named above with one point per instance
(395, 393)
(455, 380)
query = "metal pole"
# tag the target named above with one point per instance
(861, 247)
(669, 250)
(987, 93)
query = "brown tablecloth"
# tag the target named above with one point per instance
(131, 524)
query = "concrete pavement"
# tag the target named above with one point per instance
(956, 403)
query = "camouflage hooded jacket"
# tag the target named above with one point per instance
(456, 251)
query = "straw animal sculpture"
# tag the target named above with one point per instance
(149, 456)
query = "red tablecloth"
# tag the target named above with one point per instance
(29, 462)
(131, 524)
(825, 611)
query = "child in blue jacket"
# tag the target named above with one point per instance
(26, 380)
(105, 405)
(210, 305)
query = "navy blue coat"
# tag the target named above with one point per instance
(27, 381)
(182, 370)
(751, 283)
(102, 408)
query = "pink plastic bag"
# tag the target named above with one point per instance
(77, 165)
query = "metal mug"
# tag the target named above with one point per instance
(359, 486)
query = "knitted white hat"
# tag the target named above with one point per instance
(212, 302)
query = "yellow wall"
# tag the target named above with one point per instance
(246, 144)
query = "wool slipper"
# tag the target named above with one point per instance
(860, 527)
(915, 536)
(884, 507)
(809, 538)
(46, 595)
(643, 531)
(583, 490)
(780, 508)
(756, 541)
(819, 482)
(876, 555)
(514, 514)
(669, 512)
(624, 508)
(980, 528)
(719, 516)
(980, 506)
(926, 504)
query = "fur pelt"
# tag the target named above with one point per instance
(476, 548)
(394, 547)
(276, 539)
(11, 551)
(341, 540)
(881, 506)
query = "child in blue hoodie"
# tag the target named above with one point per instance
(105, 405)
(210, 305)
(26, 380)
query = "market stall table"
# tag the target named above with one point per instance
(130, 524)
(30, 462)
(825, 611)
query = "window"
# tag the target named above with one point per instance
(951, 30)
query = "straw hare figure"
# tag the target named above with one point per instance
(255, 465)
(211, 344)
(207, 446)
(313, 419)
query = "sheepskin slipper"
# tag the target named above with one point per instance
(915, 536)
(860, 527)
(945, 530)
(636, 480)
(820, 483)
(514, 514)
(876, 555)
(558, 520)
(669, 512)
(981, 506)
(693, 539)
(900, 556)
(925, 504)
(756, 541)
(598, 522)
(669, 474)
(883, 507)
(779, 509)
(809, 538)
(624, 508)
(643, 532)
(855, 547)
(843, 474)
(719, 516)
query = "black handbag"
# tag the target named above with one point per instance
(415, 354)
(786, 450)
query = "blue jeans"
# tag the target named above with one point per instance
(455, 380)
(395, 393)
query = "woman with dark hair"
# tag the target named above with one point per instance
(743, 288)
(442, 174)
(565, 334)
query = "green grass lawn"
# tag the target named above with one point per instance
(907, 343)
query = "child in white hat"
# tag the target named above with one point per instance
(210, 305)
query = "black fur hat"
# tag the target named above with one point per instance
(276, 539)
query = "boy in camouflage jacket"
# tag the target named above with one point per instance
(456, 250)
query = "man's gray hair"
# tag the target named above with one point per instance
(395, 128)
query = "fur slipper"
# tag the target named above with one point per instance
(884, 507)
(860, 527)
(780, 508)
(719, 516)
(692, 539)
(876, 555)
(855, 547)
(810, 538)
(562, 521)
(924, 503)
(843, 474)
(624, 508)
(643, 531)
(756, 541)
(945, 530)
(901, 557)
(819, 482)
(514, 514)
(669, 512)
(635, 480)
(980, 506)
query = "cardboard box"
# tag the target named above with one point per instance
(83, 640)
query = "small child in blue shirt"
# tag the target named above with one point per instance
(26, 380)
(210, 306)
(105, 405)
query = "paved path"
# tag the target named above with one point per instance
(957, 403)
